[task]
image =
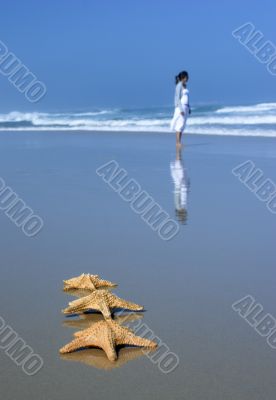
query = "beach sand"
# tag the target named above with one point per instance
(224, 251)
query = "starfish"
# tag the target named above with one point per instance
(106, 335)
(87, 281)
(100, 300)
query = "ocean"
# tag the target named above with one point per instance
(238, 120)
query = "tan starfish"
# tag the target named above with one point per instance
(100, 300)
(87, 281)
(106, 335)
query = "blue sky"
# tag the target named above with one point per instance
(126, 53)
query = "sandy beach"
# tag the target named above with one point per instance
(222, 252)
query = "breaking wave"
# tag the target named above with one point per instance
(251, 120)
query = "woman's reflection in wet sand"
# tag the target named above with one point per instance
(181, 186)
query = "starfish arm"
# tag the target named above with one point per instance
(75, 307)
(93, 332)
(78, 334)
(73, 282)
(81, 342)
(104, 283)
(116, 301)
(133, 340)
(72, 346)
(91, 284)
(108, 344)
(103, 307)
(69, 310)
(81, 305)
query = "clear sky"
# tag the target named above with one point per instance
(126, 53)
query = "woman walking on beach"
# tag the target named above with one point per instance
(182, 107)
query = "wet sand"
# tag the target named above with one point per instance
(224, 251)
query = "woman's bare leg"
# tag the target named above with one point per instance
(178, 138)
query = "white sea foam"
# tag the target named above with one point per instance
(248, 109)
(234, 120)
(255, 120)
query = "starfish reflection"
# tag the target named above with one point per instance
(96, 358)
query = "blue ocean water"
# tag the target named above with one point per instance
(238, 120)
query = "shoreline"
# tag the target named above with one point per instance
(129, 132)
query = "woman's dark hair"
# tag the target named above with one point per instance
(180, 76)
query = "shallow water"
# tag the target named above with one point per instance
(223, 251)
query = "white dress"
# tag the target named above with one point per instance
(178, 122)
